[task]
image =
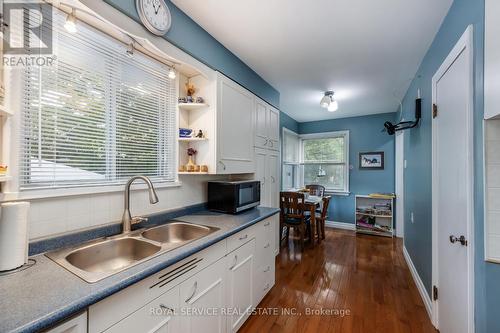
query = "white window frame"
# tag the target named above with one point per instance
(296, 165)
(327, 135)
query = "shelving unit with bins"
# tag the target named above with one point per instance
(198, 116)
(374, 215)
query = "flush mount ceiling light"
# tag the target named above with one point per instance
(328, 102)
(70, 24)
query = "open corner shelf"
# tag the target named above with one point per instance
(192, 139)
(4, 112)
(192, 173)
(192, 106)
(5, 178)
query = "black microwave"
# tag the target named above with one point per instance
(233, 196)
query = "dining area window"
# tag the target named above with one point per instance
(319, 158)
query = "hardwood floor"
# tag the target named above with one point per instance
(362, 280)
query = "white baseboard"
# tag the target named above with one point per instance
(340, 225)
(420, 285)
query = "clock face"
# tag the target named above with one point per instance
(155, 15)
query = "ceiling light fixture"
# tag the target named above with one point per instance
(171, 73)
(329, 102)
(70, 24)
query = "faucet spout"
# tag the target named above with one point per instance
(153, 198)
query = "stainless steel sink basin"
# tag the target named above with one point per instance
(111, 255)
(101, 258)
(176, 232)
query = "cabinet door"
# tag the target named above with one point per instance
(77, 324)
(240, 279)
(273, 175)
(159, 316)
(261, 123)
(273, 131)
(235, 133)
(261, 175)
(202, 299)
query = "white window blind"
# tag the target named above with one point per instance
(97, 116)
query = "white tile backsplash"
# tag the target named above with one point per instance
(57, 216)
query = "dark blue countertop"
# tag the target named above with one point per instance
(41, 296)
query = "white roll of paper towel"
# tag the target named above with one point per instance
(13, 234)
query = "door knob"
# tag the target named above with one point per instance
(461, 240)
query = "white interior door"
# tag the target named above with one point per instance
(452, 190)
(400, 160)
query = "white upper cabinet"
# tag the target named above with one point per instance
(267, 125)
(267, 171)
(235, 130)
(492, 60)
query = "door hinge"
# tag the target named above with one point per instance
(434, 111)
(434, 293)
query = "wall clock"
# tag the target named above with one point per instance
(155, 15)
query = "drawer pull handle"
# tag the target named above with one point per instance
(243, 237)
(265, 143)
(267, 224)
(266, 287)
(235, 262)
(267, 245)
(267, 269)
(194, 292)
(166, 308)
(272, 145)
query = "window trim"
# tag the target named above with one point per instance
(296, 179)
(327, 135)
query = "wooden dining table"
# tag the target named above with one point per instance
(311, 203)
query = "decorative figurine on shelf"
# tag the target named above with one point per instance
(200, 100)
(190, 166)
(200, 135)
(182, 100)
(190, 90)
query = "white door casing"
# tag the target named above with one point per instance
(400, 213)
(452, 190)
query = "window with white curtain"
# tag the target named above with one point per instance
(321, 158)
(97, 116)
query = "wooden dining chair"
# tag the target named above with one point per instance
(293, 215)
(322, 216)
(316, 190)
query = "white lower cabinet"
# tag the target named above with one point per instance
(156, 317)
(240, 266)
(212, 291)
(202, 300)
(77, 324)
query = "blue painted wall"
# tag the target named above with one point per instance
(191, 38)
(288, 122)
(365, 134)
(418, 180)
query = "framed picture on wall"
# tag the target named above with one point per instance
(372, 160)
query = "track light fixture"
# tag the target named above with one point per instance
(171, 73)
(130, 50)
(70, 24)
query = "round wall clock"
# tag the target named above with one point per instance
(155, 15)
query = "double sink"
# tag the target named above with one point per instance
(101, 258)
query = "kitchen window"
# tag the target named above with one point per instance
(98, 116)
(322, 158)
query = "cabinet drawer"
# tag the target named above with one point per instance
(157, 316)
(242, 237)
(111, 310)
(264, 279)
(77, 324)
